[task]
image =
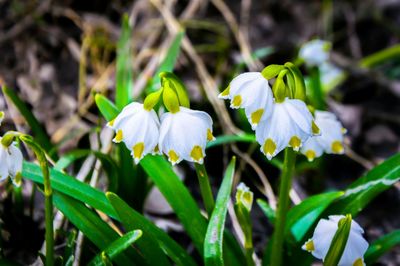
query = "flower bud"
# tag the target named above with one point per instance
(244, 196)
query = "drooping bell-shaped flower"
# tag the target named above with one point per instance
(10, 162)
(330, 140)
(184, 135)
(356, 246)
(138, 128)
(290, 124)
(252, 92)
(315, 52)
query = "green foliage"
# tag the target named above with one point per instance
(381, 246)
(213, 248)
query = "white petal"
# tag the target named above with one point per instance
(279, 128)
(181, 132)
(331, 130)
(356, 247)
(323, 236)
(311, 148)
(314, 53)
(238, 82)
(14, 160)
(3, 163)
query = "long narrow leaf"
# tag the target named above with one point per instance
(213, 247)
(124, 81)
(118, 246)
(38, 131)
(95, 229)
(177, 195)
(131, 219)
(168, 63)
(106, 107)
(71, 187)
(366, 188)
(381, 246)
(303, 216)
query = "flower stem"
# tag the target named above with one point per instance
(48, 194)
(283, 205)
(205, 188)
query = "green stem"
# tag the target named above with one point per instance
(283, 205)
(205, 188)
(318, 97)
(248, 246)
(48, 194)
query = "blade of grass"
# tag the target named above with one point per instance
(95, 229)
(117, 246)
(124, 83)
(38, 131)
(168, 63)
(381, 246)
(131, 219)
(213, 247)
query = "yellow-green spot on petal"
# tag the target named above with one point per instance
(156, 149)
(210, 136)
(197, 153)
(343, 130)
(337, 147)
(295, 143)
(315, 128)
(237, 101)
(358, 262)
(310, 246)
(111, 123)
(225, 93)
(119, 136)
(138, 150)
(173, 157)
(269, 147)
(256, 116)
(310, 154)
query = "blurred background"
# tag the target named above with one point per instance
(57, 54)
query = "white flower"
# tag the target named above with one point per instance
(252, 92)
(330, 140)
(184, 135)
(330, 74)
(290, 124)
(315, 52)
(138, 128)
(10, 162)
(244, 196)
(321, 240)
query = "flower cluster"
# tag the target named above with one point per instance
(181, 133)
(279, 119)
(10, 160)
(320, 242)
(330, 140)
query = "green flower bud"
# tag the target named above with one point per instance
(170, 98)
(272, 71)
(244, 196)
(176, 84)
(299, 85)
(279, 87)
(152, 99)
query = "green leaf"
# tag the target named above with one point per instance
(213, 247)
(177, 195)
(71, 187)
(38, 130)
(225, 139)
(124, 83)
(267, 210)
(366, 188)
(303, 216)
(118, 246)
(106, 107)
(339, 242)
(168, 63)
(131, 219)
(109, 166)
(381, 246)
(94, 228)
